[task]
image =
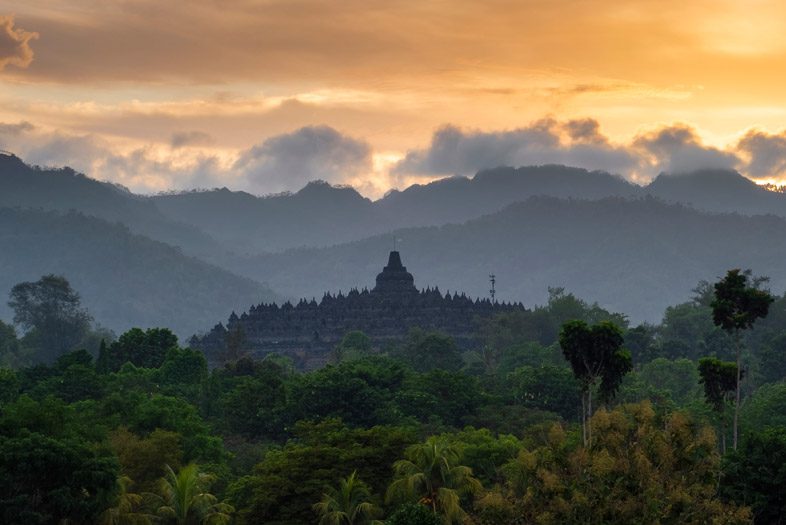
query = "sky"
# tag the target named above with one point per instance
(265, 95)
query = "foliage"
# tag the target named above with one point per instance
(755, 475)
(548, 388)
(639, 469)
(143, 348)
(353, 345)
(595, 354)
(773, 359)
(51, 313)
(289, 479)
(347, 505)
(127, 508)
(739, 301)
(46, 479)
(413, 514)
(426, 351)
(10, 348)
(142, 459)
(719, 379)
(431, 474)
(185, 498)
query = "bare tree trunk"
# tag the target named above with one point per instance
(737, 394)
(723, 433)
(589, 417)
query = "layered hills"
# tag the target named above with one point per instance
(182, 255)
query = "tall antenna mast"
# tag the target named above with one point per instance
(493, 291)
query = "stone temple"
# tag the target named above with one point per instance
(308, 331)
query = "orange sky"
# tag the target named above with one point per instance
(264, 95)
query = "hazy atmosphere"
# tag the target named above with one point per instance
(392, 263)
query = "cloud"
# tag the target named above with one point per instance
(287, 162)
(585, 130)
(575, 142)
(678, 149)
(15, 129)
(765, 153)
(14, 44)
(182, 139)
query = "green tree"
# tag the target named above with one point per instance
(50, 311)
(641, 468)
(413, 514)
(127, 509)
(144, 348)
(290, 478)
(47, 479)
(353, 345)
(596, 355)
(773, 359)
(738, 303)
(720, 382)
(551, 388)
(348, 505)
(755, 475)
(426, 351)
(185, 499)
(10, 349)
(431, 474)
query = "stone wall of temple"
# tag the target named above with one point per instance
(308, 331)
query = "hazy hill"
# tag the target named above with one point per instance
(321, 215)
(459, 199)
(718, 191)
(317, 215)
(125, 280)
(64, 189)
(633, 256)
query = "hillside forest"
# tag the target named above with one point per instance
(565, 413)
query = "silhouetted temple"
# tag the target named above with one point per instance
(308, 331)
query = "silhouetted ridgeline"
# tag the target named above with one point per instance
(322, 215)
(64, 189)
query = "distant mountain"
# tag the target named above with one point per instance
(459, 199)
(125, 280)
(317, 215)
(718, 191)
(632, 256)
(321, 215)
(64, 189)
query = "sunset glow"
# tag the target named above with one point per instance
(168, 95)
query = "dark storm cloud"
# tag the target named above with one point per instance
(456, 151)
(14, 44)
(289, 161)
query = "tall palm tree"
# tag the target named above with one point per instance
(431, 475)
(185, 500)
(349, 505)
(127, 509)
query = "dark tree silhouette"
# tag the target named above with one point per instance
(739, 301)
(720, 381)
(595, 354)
(50, 311)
